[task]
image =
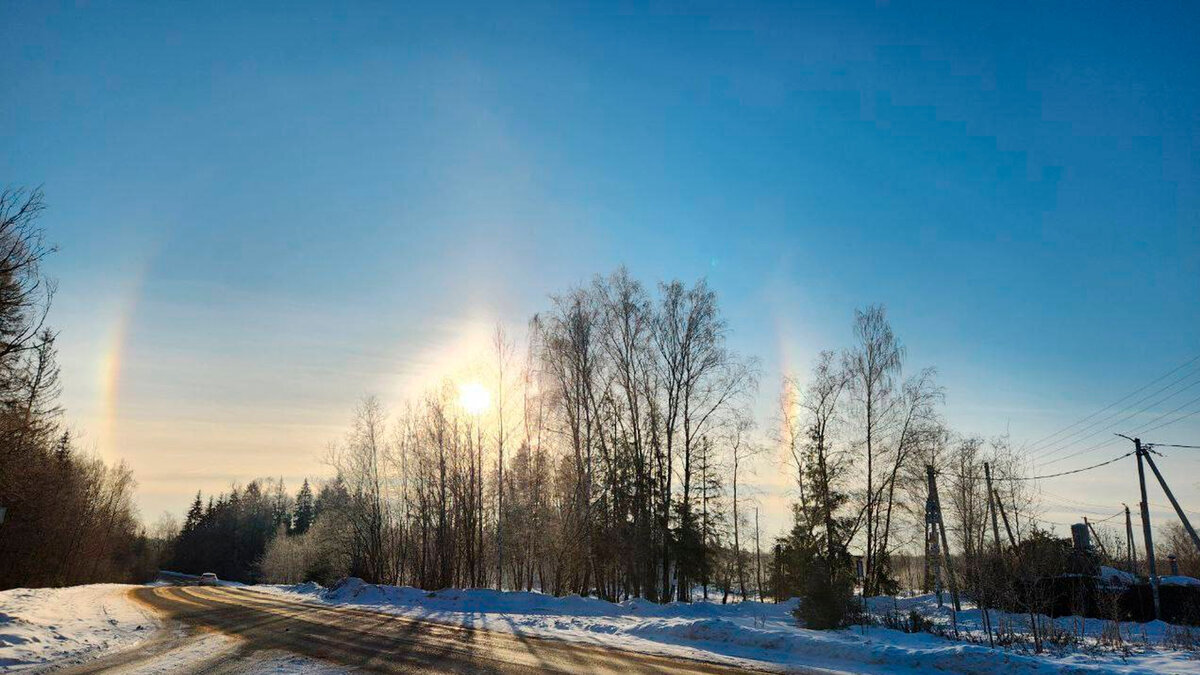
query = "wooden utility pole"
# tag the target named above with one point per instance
(1131, 550)
(927, 579)
(940, 526)
(1096, 536)
(758, 556)
(1012, 539)
(987, 472)
(1137, 442)
(934, 561)
(933, 553)
(1187, 525)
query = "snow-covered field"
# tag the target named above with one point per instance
(752, 633)
(65, 625)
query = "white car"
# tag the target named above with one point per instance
(207, 579)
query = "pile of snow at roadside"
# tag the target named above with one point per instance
(65, 625)
(748, 634)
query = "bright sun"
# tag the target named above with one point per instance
(473, 397)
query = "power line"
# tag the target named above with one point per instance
(1174, 370)
(1143, 430)
(1126, 418)
(1177, 419)
(1073, 471)
(1097, 446)
(1172, 445)
(1051, 475)
(1105, 520)
(1070, 500)
(1076, 437)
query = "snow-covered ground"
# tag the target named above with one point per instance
(64, 625)
(68, 626)
(71, 625)
(751, 633)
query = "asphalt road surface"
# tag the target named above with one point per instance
(231, 630)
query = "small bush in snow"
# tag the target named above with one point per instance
(913, 622)
(1185, 638)
(828, 600)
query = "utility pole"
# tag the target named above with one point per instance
(1131, 551)
(1187, 525)
(933, 553)
(1096, 537)
(1012, 539)
(987, 472)
(758, 556)
(928, 582)
(940, 526)
(1137, 442)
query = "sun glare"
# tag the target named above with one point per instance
(474, 397)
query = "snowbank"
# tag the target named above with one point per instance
(57, 625)
(749, 634)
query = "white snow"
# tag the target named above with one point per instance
(70, 625)
(754, 634)
(55, 625)
(67, 626)
(1115, 576)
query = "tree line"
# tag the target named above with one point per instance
(613, 461)
(68, 516)
(595, 471)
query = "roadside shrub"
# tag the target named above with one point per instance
(913, 622)
(311, 556)
(828, 601)
(1183, 638)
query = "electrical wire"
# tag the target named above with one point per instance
(1051, 475)
(1069, 500)
(1102, 444)
(1177, 419)
(1074, 471)
(1041, 441)
(1123, 420)
(1171, 509)
(1131, 409)
(1118, 513)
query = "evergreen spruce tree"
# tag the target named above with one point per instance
(304, 509)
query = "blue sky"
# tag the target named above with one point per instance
(265, 212)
